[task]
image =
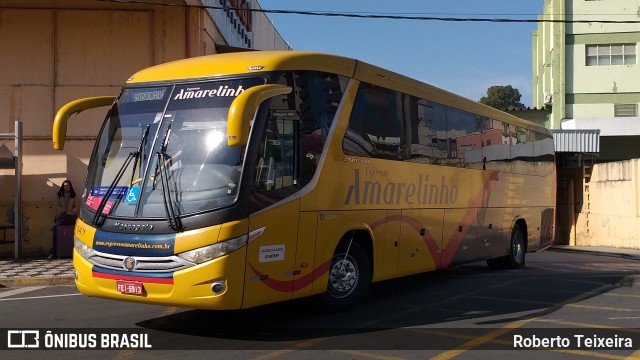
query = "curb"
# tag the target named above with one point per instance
(37, 281)
(599, 253)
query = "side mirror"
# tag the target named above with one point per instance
(59, 131)
(244, 107)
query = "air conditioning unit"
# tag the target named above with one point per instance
(548, 99)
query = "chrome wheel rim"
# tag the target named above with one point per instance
(343, 277)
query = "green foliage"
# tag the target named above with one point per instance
(502, 97)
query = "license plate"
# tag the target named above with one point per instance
(129, 287)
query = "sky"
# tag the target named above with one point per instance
(462, 57)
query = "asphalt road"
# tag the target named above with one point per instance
(587, 306)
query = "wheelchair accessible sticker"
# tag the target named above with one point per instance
(132, 195)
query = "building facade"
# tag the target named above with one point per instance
(587, 73)
(55, 51)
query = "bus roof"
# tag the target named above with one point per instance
(243, 63)
(261, 61)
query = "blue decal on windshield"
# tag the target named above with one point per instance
(132, 195)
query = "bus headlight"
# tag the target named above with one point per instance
(200, 255)
(82, 248)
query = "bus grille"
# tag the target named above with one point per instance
(144, 264)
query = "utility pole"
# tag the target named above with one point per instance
(17, 222)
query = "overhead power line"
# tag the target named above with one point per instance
(380, 16)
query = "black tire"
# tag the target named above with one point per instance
(349, 278)
(517, 250)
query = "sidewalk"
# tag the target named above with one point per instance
(30, 272)
(36, 271)
(633, 254)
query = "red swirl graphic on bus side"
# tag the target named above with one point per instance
(295, 284)
(447, 254)
(454, 242)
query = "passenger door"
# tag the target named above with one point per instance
(274, 216)
(271, 255)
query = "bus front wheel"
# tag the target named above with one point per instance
(349, 278)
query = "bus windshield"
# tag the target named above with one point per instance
(184, 160)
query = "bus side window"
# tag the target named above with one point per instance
(496, 151)
(428, 131)
(544, 153)
(522, 153)
(275, 176)
(463, 138)
(316, 98)
(375, 126)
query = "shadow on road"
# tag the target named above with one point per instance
(469, 300)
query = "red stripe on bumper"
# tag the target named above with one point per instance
(133, 278)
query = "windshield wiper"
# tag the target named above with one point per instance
(139, 152)
(162, 171)
(121, 170)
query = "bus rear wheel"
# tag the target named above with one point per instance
(349, 278)
(517, 250)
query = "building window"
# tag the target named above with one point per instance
(611, 54)
(625, 110)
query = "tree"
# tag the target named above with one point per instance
(502, 97)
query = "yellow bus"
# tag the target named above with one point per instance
(236, 180)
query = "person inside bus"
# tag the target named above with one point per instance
(173, 156)
(68, 207)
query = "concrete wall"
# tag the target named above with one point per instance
(590, 10)
(600, 79)
(55, 52)
(268, 37)
(610, 212)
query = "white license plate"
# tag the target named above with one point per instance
(129, 287)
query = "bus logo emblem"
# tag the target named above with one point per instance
(129, 263)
